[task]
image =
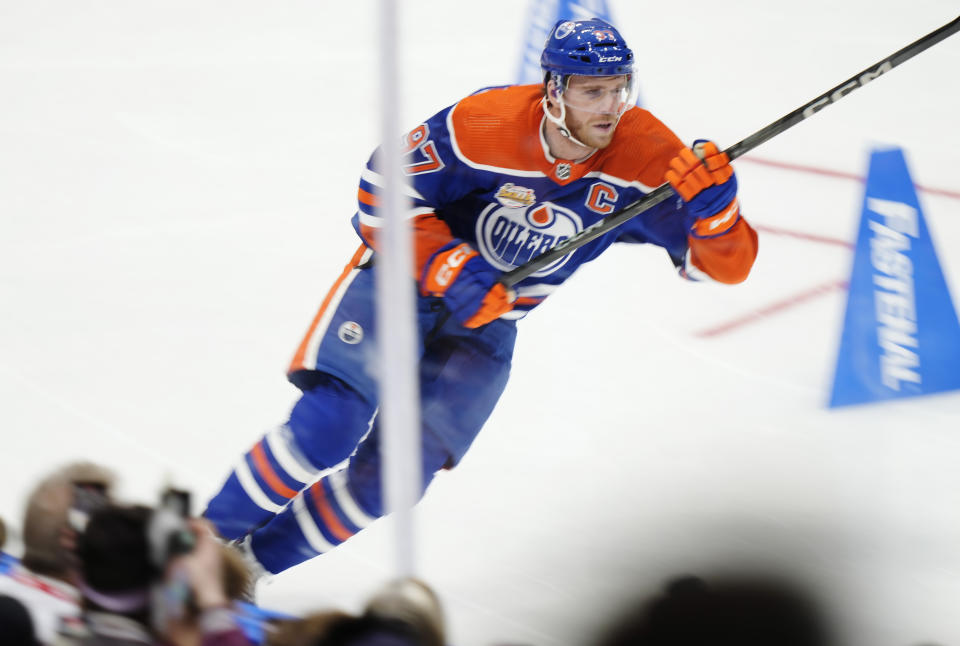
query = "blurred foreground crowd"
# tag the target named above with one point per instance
(98, 572)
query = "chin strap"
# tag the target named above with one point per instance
(561, 121)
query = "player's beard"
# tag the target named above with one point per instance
(587, 132)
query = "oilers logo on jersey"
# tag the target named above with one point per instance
(350, 332)
(509, 236)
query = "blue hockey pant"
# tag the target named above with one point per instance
(292, 490)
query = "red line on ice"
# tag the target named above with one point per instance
(819, 290)
(773, 308)
(815, 170)
(810, 237)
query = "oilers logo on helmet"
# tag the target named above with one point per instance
(508, 236)
(564, 29)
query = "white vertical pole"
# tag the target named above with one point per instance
(396, 322)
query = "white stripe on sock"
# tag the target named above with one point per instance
(309, 528)
(253, 490)
(338, 484)
(279, 440)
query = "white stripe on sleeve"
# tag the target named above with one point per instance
(692, 272)
(377, 179)
(376, 222)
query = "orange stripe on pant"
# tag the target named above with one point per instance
(298, 358)
(268, 474)
(367, 198)
(329, 517)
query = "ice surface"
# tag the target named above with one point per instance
(176, 180)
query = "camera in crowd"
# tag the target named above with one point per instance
(124, 553)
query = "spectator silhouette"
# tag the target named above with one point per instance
(747, 610)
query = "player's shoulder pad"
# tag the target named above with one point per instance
(496, 127)
(641, 149)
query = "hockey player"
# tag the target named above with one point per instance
(496, 179)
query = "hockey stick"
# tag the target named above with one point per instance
(665, 191)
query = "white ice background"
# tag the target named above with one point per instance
(176, 183)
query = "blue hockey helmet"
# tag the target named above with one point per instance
(588, 47)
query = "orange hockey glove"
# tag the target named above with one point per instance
(705, 181)
(467, 283)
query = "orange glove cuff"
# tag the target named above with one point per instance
(719, 223)
(445, 268)
(498, 301)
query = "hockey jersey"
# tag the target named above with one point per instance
(481, 171)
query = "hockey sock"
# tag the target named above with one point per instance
(325, 426)
(317, 520)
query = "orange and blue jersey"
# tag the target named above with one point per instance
(481, 171)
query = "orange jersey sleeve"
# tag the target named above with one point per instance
(429, 234)
(727, 258)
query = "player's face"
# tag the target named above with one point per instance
(594, 105)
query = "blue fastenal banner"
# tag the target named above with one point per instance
(901, 336)
(541, 17)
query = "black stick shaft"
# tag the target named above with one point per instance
(665, 191)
